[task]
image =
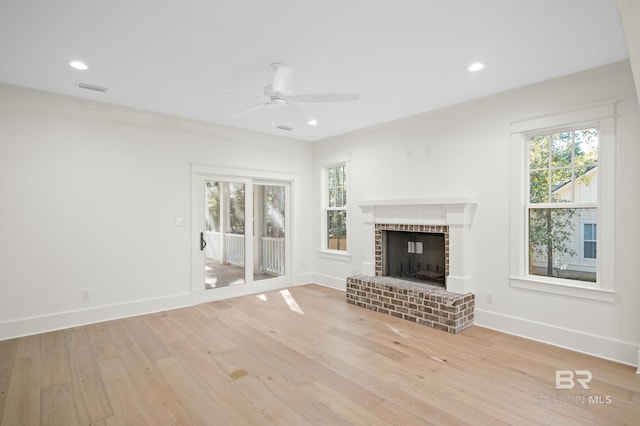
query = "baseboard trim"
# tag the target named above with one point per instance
(339, 283)
(57, 321)
(600, 346)
(305, 278)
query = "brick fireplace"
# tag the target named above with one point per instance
(444, 300)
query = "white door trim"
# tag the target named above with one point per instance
(201, 173)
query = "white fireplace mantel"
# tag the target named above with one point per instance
(422, 211)
(454, 212)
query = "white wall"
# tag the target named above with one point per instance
(463, 151)
(89, 194)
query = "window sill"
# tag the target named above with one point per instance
(560, 287)
(335, 255)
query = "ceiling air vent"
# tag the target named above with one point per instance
(283, 127)
(92, 87)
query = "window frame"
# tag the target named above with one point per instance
(557, 205)
(601, 116)
(325, 165)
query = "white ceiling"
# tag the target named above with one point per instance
(403, 56)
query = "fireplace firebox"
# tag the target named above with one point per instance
(412, 252)
(414, 256)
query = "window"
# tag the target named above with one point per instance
(336, 210)
(334, 204)
(589, 246)
(563, 181)
(563, 203)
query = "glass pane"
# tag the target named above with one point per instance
(555, 244)
(586, 149)
(224, 251)
(236, 208)
(336, 179)
(337, 230)
(590, 249)
(539, 187)
(212, 204)
(344, 193)
(561, 147)
(586, 184)
(589, 236)
(269, 223)
(590, 231)
(539, 152)
(561, 184)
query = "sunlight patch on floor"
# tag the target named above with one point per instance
(293, 305)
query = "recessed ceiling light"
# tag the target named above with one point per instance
(476, 66)
(79, 65)
(312, 122)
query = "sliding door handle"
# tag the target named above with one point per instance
(203, 243)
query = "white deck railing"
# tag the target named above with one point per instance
(273, 255)
(234, 249)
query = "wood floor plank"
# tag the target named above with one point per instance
(276, 397)
(101, 341)
(163, 327)
(119, 334)
(153, 391)
(369, 344)
(299, 356)
(392, 414)
(123, 394)
(339, 382)
(147, 341)
(419, 398)
(196, 400)
(270, 387)
(29, 346)
(92, 401)
(55, 360)
(22, 406)
(345, 407)
(7, 357)
(57, 406)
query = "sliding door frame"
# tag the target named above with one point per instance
(199, 175)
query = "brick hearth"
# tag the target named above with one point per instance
(425, 304)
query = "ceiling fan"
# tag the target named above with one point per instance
(280, 93)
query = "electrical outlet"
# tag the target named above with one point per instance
(491, 299)
(85, 295)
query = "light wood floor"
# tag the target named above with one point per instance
(296, 357)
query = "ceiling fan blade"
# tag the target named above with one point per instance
(251, 109)
(283, 80)
(325, 97)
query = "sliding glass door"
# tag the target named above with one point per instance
(243, 233)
